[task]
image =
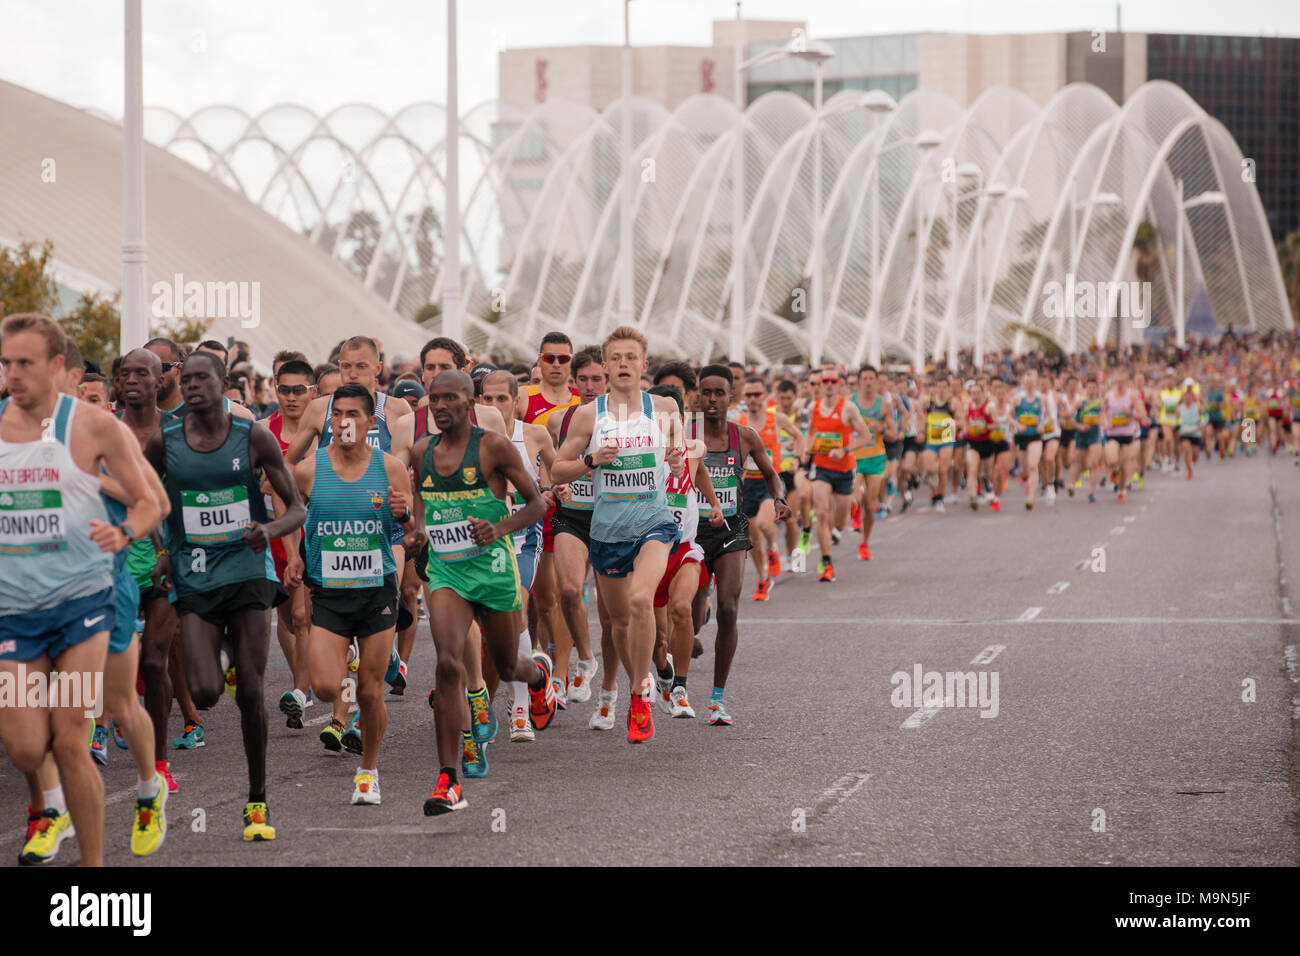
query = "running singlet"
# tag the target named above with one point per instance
(348, 526)
(539, 407)
(1214, 409)
(1273, 402)
(829, 433)
(455, 560)
(1121, 415)
(724, 471)
(977, 422)
(940, 429)
(630, 489)
(582, 491)
(874, 416)
(997, 425)
(1028, 413)
(1089, 414)
(378, 436)
(1189, 421)
(46, 505)
(214, 495)
(788, 461)
(771, 443)
(682, 503)
(517, 499)
(1170, 400)
(141, 557)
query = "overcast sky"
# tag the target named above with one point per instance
(322, 53)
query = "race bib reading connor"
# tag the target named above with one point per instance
(31, 522)
(213, 517)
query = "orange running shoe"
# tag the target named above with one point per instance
(445, 798)
(640, 722)
(864, 552)
(828, 572)
(1120, 499)
(542, 703)
(760, 592)
(1189, 474)
(165, 768)
(773, 563)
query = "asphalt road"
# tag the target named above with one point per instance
(1121, 736)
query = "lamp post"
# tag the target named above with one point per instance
(927, 142)
(626, 240)
(1101, 199)
(964, 171)
(995, 192)
(134, 327)
(878, 102)
(1212, 198)
(736, 350)
(452, 320)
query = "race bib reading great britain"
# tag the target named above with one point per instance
(31, 522)
(213, 517)
(351, 561)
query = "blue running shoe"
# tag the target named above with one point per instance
(1092, 499)
(99, 745)
(117, 735)
(482, 720)
(352, 736)
(192, 739)
(473, 757)
(394, 668)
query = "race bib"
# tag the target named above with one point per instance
(632, 477)
(826, 442)
(582, 495)
(351, 561)
(1028, 419)
(1118, 419)
(679, 504)
(31, 522)
(449, 533)
(727, 487)
(213, 517)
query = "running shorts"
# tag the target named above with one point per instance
(1144, 432)
(548, 530)
(841, 482)
(1193, 440)
(893, 450)
(872, 465)
(753, 492)
(127, 599)
(1067, 437)
(615, 559)
(356, 612)
(1121, 439)
(787, 479)
(576, 523)
(983, 448)
(686, 552)
(50, 632)
(731, 535)
(999, 446)
(1086, 438)
(1024, 441)
(216, 605)
(912, 443)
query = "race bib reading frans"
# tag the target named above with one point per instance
(632, 477)
(212, 517)
(351, 561)
(449, 533)
(31, 522)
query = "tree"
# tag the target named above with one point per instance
(1288, 254)
(25, 286)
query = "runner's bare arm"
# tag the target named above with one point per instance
(750, 443)
(309, 429)
(497, 455)
(402, 428)
(113, 488)
(265, 452)
(666, 410)
(783, 422)
(861, 433)
(119, 451)
(489, 419)
(399, 491)
(304, 475)
(567, 466)
(416, 532)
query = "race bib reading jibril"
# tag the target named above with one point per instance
(215, 516)
(31, 522)
(726, 486)
(351, 561)
(630, 478)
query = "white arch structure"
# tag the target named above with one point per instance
(943, 228)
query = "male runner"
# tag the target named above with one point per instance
(877, 410)
(461, 474)
(836, 429)
(757, 503)
(218, 531)
(625, 438)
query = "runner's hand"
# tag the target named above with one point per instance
(548, 496)
(293, 569)
(484, 532)
(397, 502)
(162, 570)
(715, 517)
(411, 543)
(836, 454)
(107, 536)
(563, 494)
(676, 464)
(255, 537)
(605, 454)
(782, 510)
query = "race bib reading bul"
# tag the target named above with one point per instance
(216, 516)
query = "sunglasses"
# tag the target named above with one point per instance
(291, 389)
(754, 394)
(553, 359)
(830, 381)
(168, 366)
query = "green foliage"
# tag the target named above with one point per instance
(24, 284)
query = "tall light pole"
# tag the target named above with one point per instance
(926, 142)
(964, 171)
(736, 345)
(1213, 198)
(452, 320)
(626, 240)
(879, 102)
(134, 327)
(1101, 199)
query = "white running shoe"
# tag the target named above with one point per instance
(1050, 496)
(664, 688)
(521, 728)
(836, 534)
(580, 681)
(366, 788)
(681, 705)
(938, 505)
(602, 718)
(561, 698)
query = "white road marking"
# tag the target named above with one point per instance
(833, 797)
(1030, 613)
(1130, 519)
(1082, 564)
(920, 717)
(1118, 529)
(977, 622)
(1293, 672)
(986, 656)
(1058, 587)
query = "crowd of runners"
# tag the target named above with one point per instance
(150, 520)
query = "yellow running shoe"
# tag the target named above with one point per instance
(230, 682)
(48, 829)
(257, 822)
(150, 821)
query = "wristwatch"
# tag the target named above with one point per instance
(128, 531)
(589, 461)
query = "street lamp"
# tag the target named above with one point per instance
(963, 171)
(1101, 199)
(996, 192)
(134, 327)
(878, 102)
(926, 142)
(625, 237)
(452, 325)
(817, 53)
(1211, 198)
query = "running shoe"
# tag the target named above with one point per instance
(580, 681)
(760, 590)
(354, 659)
(482, 719)
(398, 687)
(542, 702)
(394, 671)
(718, 716)
(150, 821)
(664, 686)
(640, 722)
(365, 789)
(1120, 498)
(351, 738)
(292, 704)
(827, 573)
(974, 504)
(856, 525)
(936, 504)
(446, 797)
(881, 511)
(995, 505)
(681, 704)
(836, 535)
(561, 700)
(46, 831)
(1139, 479)
(473, 758)
(1029, 504)
(230, 682)
(697, 646)
(117, 735)
(192, 739)
(805, 540)
(602, 718)
(99, 745)
(1051, 495)
(331, 735)
(164, 767)
(1092, 499)
(773, 564)
(257, 823)
(521, 731)
(1078, 482)
(864, 552)
(1189, 474)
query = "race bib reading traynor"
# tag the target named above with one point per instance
(216, 516)
(31, 522)
(630, 478)
(351, 561)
